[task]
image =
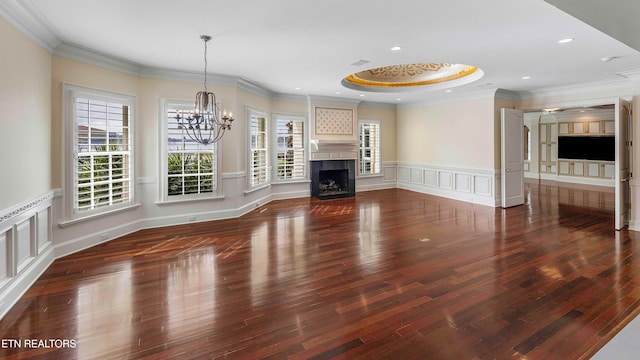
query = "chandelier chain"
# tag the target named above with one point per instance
(204, 125)
(205, 66)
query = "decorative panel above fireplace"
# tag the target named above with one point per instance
(330, 121)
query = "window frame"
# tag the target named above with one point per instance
(70, 155)
(305, 148)
(379, 148)
(251, 112)
(163, 176)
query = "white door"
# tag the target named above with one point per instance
(622, 171)
(512, 155)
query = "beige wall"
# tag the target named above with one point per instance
(25, 124)
(77, 73)
(149, 120)
(387, 118)
(460, 134)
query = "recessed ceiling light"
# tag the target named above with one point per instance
(398, 99)
(526, 77)
(361, 95)
(564, 41)
(396, 48)
(298, 88)
(337, 92)
(448, 90)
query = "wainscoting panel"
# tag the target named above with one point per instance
(5, 259)
(25, 243)
(389, 172)
(43, 232)
(466, 184)
(430, 178)
(403, 173)
(416, 176)
(463, 182)
(445, 180)
(482, 185)
(25, 248)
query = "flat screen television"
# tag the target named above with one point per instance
(599, 148)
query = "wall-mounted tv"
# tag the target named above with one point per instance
(600, 148)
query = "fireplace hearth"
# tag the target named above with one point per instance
(332, 179)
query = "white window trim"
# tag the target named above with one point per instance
(163, 197)
(69, 93)
(274, 139)
(379, 173)
(253, 111)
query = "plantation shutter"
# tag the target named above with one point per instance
(258, 150)
(103, 169)
(369, 154)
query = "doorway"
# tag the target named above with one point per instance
(585, 145)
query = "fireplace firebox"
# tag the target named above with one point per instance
(332, 179)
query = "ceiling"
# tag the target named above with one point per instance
(305, 47)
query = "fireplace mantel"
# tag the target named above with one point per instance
(326, 149)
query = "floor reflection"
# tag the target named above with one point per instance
(386, 271)
(104, 312)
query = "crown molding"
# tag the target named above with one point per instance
(634, 77)
(24, 16)
(289, 97)
(632, 74)
(99, 59)
(170, 74)
(619, 87)
(333, 100)
(250, 86)
(378, 105)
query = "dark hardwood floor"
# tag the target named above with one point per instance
(389, 274)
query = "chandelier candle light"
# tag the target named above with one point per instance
(202, 124)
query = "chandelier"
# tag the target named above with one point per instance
(202, 124)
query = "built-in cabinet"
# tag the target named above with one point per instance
(548, 150)
(586, 168)
(591, 169)
(594, 127)
(548, 128)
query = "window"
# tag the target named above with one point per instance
(369, 152)
(99, 143)
(189, 168)
(258, 149)
(290, 156)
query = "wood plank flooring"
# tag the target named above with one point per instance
(389, 274)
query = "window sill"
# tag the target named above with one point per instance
(247, 192)
(370, 175)
(182, 201)
(285, 182)
(67, 223)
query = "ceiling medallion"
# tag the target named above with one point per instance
(396, 78)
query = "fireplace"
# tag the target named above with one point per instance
(332, 179)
